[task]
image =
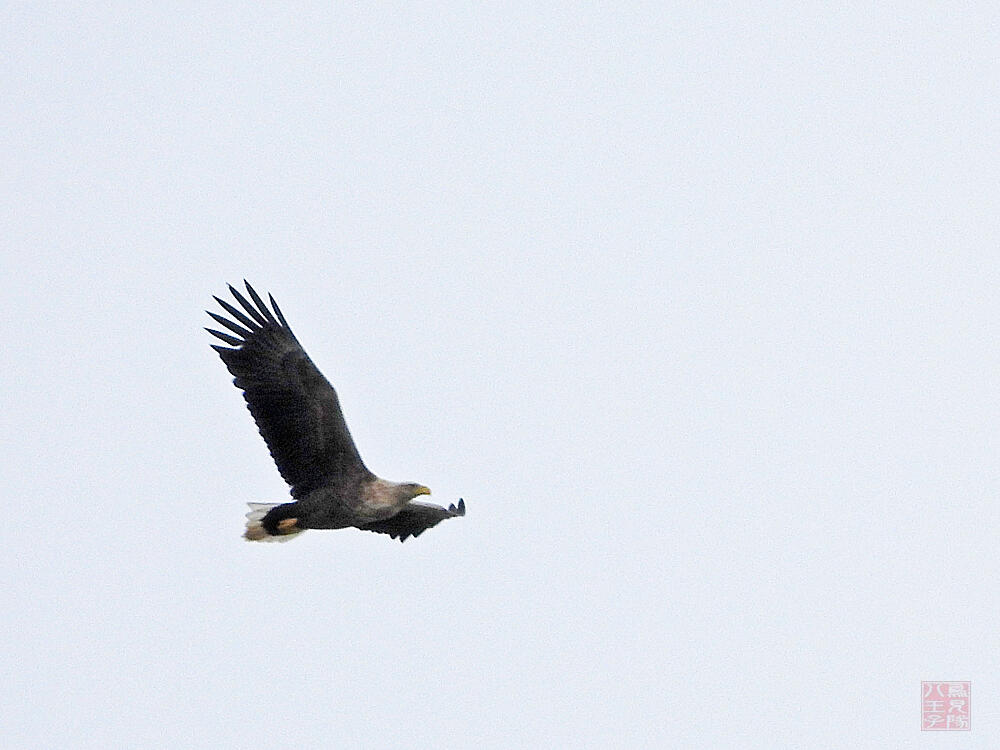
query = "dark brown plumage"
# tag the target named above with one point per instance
(299, 416)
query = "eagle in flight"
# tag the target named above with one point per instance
(298, 414)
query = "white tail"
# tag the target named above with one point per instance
(255, 530)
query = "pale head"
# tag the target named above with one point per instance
(412, 490)
(382, 493)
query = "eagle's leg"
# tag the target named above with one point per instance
(267, 522)
(282, 519)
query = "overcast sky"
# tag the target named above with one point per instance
(695, 305)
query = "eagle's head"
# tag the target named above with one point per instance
(412, 490)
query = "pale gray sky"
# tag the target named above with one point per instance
(695, 305)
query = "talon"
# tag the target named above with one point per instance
(288, 526)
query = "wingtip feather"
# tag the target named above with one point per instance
(277, 310)
(226, 323)
(245, 304)
(232, 340)
(259, 302)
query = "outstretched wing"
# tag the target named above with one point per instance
(296, 409)
(414, 519)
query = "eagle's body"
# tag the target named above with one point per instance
(298, 414)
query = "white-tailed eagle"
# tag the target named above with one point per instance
(298, 414)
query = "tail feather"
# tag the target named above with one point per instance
(255, 529)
